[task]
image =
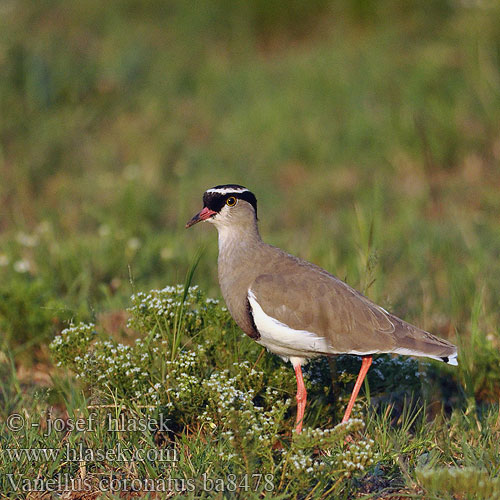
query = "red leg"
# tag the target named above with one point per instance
(365, 365)
(301, 398)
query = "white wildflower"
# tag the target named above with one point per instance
(27, 240)
(134, 244)
(104, 230)
(22, 266)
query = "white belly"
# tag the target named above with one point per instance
(283, 340)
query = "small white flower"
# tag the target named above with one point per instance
(27, 240)
(22, 266)
(104, 230)
(133, 244)
(43, 227)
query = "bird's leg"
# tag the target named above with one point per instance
(301, 398)
(365, 365)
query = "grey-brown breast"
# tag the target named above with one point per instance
(237, 269)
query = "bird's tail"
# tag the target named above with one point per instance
(413, 341)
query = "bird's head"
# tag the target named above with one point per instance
(227, 205)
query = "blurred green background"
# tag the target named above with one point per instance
(368, 130)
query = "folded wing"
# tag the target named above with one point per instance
(305, 297)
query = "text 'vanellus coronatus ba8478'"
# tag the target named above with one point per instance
(298, 310)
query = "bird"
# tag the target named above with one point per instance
(296, 309)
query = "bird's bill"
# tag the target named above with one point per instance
(205, 214)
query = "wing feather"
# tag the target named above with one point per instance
(306, 297)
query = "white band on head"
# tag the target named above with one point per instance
(226, 190)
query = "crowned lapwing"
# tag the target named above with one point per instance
(298, 310)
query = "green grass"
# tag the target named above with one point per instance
(369, 132)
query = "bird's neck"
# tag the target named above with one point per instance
(235, 240)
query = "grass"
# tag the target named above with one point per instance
(369, 133)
